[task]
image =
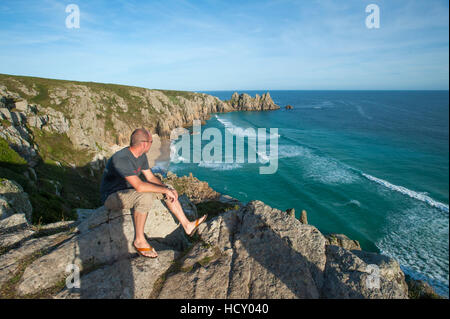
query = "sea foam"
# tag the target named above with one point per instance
(413, 194)
(241, 132)
(417, 237)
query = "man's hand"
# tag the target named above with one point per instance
(172, 194)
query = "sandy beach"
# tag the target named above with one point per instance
(159, 153)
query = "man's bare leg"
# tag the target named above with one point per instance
(177, 210)
(140, 241)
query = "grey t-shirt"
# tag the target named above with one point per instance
(121, 164)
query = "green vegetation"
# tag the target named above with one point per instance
(214, 208)
(12, 166)
(208, 259)
(172, 94)
(5, 123)
(9, 158)
(78, 188)
(49, 208)
(58, 147)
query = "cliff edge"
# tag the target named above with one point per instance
(243, 250)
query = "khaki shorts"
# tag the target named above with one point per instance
(131, 199)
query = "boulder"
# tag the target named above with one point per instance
(196, 191)
(419, 289)
(22, 106)
(13, 200)
(357, 274)
(291, 212)
(342, 241)
(304, 217)
(105, 238)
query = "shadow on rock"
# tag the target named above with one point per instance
(262, 252)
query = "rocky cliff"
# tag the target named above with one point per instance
(93, 117)
(65, 131)
(245, 102)
(243, 250)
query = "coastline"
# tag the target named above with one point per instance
(159, 153)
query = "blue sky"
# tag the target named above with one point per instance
(230, 45)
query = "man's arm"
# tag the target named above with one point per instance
(154, 179)
(144, 187)
(151, 178)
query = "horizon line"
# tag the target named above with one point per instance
(221, 90)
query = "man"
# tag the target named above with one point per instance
(122, 188)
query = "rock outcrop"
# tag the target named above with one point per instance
(249, 251)
(245, 102)
(343, 241)
(196, 190)
(13, 200)
(261, 252)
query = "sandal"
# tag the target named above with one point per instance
(141, 250)
(198, 222)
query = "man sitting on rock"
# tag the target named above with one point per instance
(122, 188)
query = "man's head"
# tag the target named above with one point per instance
(141, 140)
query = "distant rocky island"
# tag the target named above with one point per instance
(54, 140)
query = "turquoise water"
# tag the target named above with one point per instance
(373, 165)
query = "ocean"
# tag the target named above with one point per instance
(373, 165)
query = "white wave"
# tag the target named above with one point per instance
(318, 168)
(318, 105)
(351, 202)
(354, 202)
(329, 172)
(161, 165)
(241, 132)
(175, 157)
(416, 195)
(263, 157)
(284, 151)
(326, 170)
(327, 103)
(361, 112)
(219, 166)
(417, 238)
(292, 151)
